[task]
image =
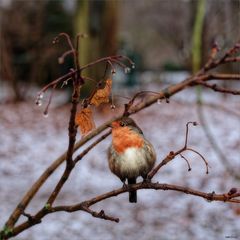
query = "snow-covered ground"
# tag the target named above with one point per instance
(29, 143)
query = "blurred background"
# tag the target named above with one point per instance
(157, 35)
(167, 40)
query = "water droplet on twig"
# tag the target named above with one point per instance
(45, 113)
(55, 40)
(65, 83)
(39, 99)
(159, 101)
(113, 106)
(127, 70)
(60, 60)
(113, 71)
(133, 66)
(38, 102)
(40, 96)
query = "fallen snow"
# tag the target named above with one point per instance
(30, 142)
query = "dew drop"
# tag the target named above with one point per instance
(133, 66)
(55, 40)
(41, 96)
(60, 60)
(159, 101)
(38, 102)
(65, 83)
(113, 106)
(127, 70)
(45, 113)
(113, 71)
(195, 123)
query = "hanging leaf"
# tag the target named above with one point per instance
(84, 119)
(102, 95)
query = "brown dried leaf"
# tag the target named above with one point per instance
(84, 119)
(102, 95)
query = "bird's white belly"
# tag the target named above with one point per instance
(133, 162)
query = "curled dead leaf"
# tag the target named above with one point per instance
(102, 95)
(84, 119)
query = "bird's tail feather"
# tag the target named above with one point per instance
(132, 194)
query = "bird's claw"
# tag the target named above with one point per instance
(124, 185)
(146, 180)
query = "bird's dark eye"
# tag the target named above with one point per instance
(122, 124)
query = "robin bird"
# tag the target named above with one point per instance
(130, 155)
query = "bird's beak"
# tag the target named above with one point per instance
(109, 125)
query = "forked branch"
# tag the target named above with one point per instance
(74, 76)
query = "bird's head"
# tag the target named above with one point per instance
(125, 122)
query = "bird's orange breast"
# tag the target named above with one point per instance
(123, 137)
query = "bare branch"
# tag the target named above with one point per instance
(80, 156)
(205, 161)
(186, 134)
(84, 206)
(188, 164)
(197, 79)
(216, 88)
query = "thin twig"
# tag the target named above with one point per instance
(216, 88)
(49, 101)
(83, 153)
(171, 90)
(205, 161)
(188, 164)
(186, 133)
(62, 58)
(84, 206)
(172, 154)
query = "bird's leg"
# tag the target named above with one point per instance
(146, 179)
(124, 182)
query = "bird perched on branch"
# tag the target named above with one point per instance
(130, 155)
